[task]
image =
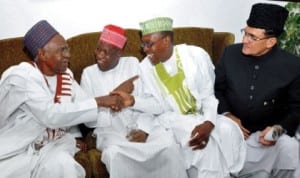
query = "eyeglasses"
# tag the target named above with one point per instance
(150, 43)
(252, 37)
(64, 50)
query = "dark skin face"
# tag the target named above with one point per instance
(107, 56)
(157, 47)
(54, 57)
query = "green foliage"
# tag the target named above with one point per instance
(290, 38)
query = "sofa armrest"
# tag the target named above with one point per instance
(220, 41)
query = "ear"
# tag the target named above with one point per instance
(167, 40)
(41, 54)
(271, 42)
(120, 51)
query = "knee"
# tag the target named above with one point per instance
(61, 159)
(287, 144)
(58, 165)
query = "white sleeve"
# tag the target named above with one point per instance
(204, 84)
(85, 83)
(55, 115)
(75, 131)
(145, 101)
(147, 105)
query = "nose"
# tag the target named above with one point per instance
(145, 49)
(66, 56)
(245, 39)
(66, 52)
(100, 54)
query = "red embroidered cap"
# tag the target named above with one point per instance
(114, 35)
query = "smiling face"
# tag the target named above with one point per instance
(107, 55)
(157, 46)
(256, 42)
(54, 57)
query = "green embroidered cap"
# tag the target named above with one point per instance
(156, 25)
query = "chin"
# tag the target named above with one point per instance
(64, 68)
(154, 61)
(63, 71)
(246, 51)
(103, 68)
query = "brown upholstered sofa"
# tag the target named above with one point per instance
(83, 45)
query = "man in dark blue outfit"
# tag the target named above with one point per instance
(258, 86)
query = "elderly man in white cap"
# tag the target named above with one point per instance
(133, 145)
(39, 102)
(181, 79)
(258, 86)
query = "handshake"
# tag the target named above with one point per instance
(120, 97)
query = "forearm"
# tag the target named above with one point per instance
(147, 105)
(209, 106)
(58, 115)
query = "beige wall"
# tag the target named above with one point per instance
(72, 17)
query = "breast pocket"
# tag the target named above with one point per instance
(269, 104)
(274, 104)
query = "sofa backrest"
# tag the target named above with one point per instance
(83, 45)
(11, 52)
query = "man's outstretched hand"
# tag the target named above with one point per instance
(127, 86)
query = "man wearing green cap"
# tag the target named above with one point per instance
(181, 79)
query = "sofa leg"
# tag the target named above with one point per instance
(83, 159)
(98, 168)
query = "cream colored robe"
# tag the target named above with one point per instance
(225, 152)
(157, 157)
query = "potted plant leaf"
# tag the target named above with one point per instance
(290, 38)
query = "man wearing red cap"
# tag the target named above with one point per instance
(133, 144)
(258, 87)
(39, 103)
